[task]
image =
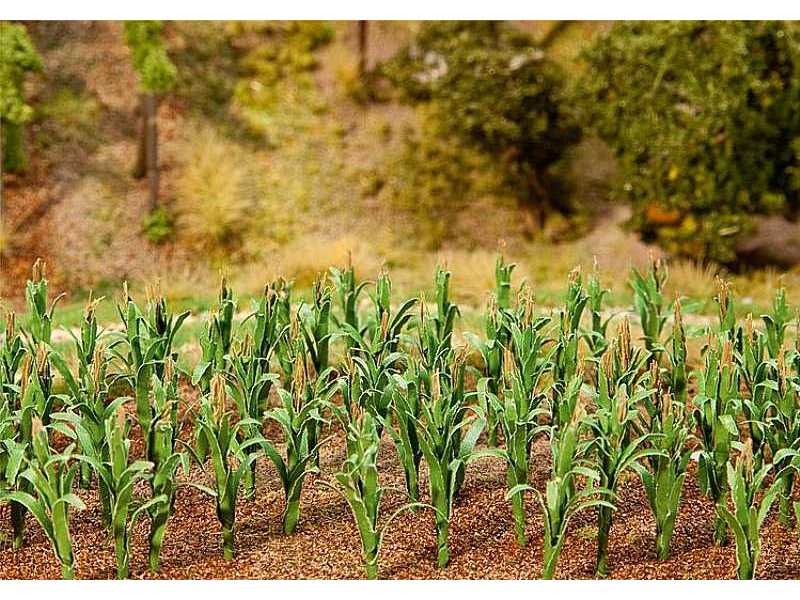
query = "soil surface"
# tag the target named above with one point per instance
(326, 543)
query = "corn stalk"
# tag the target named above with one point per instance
(359, 485)
(749, 513)
(561, 500)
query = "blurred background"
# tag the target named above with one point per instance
(168, 151)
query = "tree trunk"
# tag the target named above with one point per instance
(152, 150)
(140, 168)
(363, 33)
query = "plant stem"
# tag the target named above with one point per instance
(158, 527)
(122, 555)
(518, 510)
(603, 529)
(720, 528)
(227, 542)
(292, 515)
(442, 533)
(371, 568)
(18, 512)
(551, 553)
(662, 543)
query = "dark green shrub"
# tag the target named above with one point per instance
(18, 57)
(489, 88)
(703, 119)
(159, 225)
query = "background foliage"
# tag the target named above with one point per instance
(491, 89)
(18, 57)
(703, 119)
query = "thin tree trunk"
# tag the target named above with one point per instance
(140, 168)
(152, 150)
(363, 33)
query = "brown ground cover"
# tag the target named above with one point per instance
(326, 544)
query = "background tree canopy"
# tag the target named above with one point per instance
(490, 87)
(703, 119)
(18, 57)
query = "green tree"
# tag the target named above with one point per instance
(702, 117)
(18, 57)
(491, 88)
(157, 75)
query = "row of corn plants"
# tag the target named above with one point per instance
(356, 360)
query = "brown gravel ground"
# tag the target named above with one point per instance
(326, 543)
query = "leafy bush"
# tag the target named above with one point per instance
(18, 57)
(157, 73)
(159, 225)
(275, 60)
(428, 180)
(703, 119)
(492, 90)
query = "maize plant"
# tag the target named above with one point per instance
(230, 459)
(596, 336)
(748, 513)
(215, 339)
(502, 282)
(298, 416)
(616, 448)
(12, 460)
(162, 453)
(88, 392)
(751, 354)
(776, 322)
(12, 351)
(446, 311)
(381, 335)
(726, 309)
(714, 413)
(527, 344)
(434, 350)
(251, 383)
(50, 499)
(561, 500)
(678, 379)
(565, 358)
(157, 415)
(783, 432)
(376, 383)
(13, 356)
(376, 360)
(40, 315)
(347, 291)
(215, 342)
(758, 373)
(623, 363)
(35, 405)
(663, 481)
(406, 409)
(518, 414)
(491, 351)
(88, 397)
(359, 485)
(435, 332)
(299, 371)
(447, 439)
(148, 340)
(118, 475)
(36, 384)
(648, 300)
(315, 326)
